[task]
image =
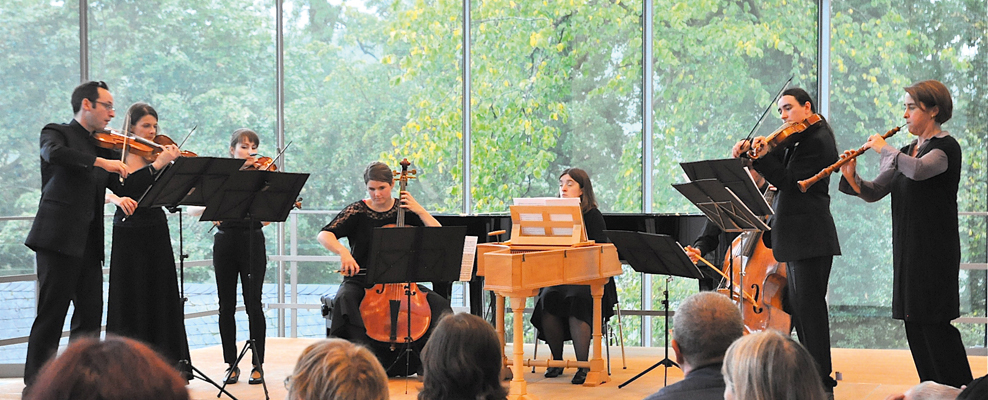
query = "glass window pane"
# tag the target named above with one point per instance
(879, 48)
(717, 66)
(555, 85)
(368, 81)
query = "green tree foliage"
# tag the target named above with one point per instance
(554, 84)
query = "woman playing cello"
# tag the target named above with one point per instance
(356, 222)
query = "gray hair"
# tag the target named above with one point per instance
(705, 325)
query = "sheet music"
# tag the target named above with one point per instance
(547, 201)
(469, 253)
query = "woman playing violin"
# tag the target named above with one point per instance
(923, 177)
(238, 251)
(356, 222)
(144, 302)
(803, 233)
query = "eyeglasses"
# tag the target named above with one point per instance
(109, 106)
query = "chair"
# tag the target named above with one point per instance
(608, 337)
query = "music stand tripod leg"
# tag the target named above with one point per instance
(195, 372)
(665, 361)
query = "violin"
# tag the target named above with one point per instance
(782, 136)
(146, 149)
(261, 164)
(396, 310)
(164, 140)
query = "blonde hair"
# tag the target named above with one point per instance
(768, 365)
(336, 369)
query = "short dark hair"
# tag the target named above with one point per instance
(587, 200)
(704, 326)
(140, 110)
(932, 93)
(87, 90)
(462, 360)
(378, 171)
(242, 134)
(801, 97)
(117, 368)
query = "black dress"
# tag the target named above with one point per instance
(144, 302)
(356, 222)
(576, 300)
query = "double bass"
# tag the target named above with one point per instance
(759, 283)
(396, 312)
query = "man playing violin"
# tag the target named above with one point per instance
(67, 232)
(803, 233)
(356, 222)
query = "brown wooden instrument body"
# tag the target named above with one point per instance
(144, 148)
(806, 183)
(763, 284)
(785, 133)
(385, 311)
(386, 308)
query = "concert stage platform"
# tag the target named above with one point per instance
(867, 374)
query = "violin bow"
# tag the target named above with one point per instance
(189, 135)
(281, 153)
(764, 113)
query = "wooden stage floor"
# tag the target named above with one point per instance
(867, 374)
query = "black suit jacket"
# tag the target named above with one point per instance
(802, 226)
(72, 190)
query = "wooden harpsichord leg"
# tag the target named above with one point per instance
(518, 387)
(598, 371)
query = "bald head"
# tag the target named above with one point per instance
(704, 327)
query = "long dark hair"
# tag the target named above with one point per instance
(462, 360)
(139, 110)
(587, 200)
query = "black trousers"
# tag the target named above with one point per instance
(237, 253)
(807, 287)
(938, 353)
(61, 280)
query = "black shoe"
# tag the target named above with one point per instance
(553, 372)
(232, 375)
(581, 376)
(255, 377)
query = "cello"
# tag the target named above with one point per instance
(396, 312)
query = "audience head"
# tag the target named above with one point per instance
(336, 369)
(112, 369)
(462, 360)
(704, 326)
(768, 365)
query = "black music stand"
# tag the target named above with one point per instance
(731, 173)
(656, 254)
(188, 181)
(254, 196)
(414, 254)
(721, 204)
